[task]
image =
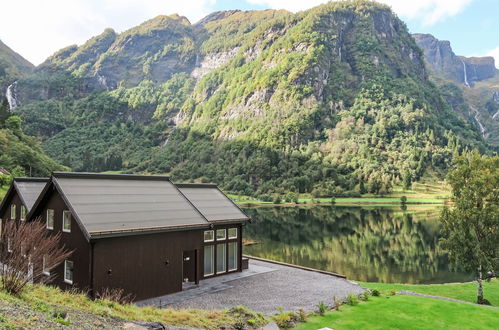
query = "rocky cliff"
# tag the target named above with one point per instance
(443, 61)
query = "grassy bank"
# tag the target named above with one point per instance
(420, 193)
(461, 291)
(40, 306)
(406, 312)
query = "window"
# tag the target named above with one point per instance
(66, 221)
(9, 244)
(68, 272)
(221, 234)
(45, 266)
(13, 211)
(232, 233)
(50, 219)
(209, 260)
(23, 212)
(232, 255)
(209, 236)
(221, 258)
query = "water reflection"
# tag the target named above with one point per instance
(366, 244)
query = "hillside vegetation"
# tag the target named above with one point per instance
(334, 100)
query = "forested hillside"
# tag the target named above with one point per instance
(332, 100)
(19, 153)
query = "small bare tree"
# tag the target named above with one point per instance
(28, 252)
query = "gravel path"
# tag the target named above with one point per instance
(281, 286)
(412, 293)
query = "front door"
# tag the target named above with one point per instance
(189, 271)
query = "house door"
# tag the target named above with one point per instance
(189, 268)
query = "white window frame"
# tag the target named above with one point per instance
(9, 245)
(45, 270)
(23, 213)
(221, 238)
(64, 213)
(69, 281)
(53, 219)
(213, 251)
(236, 256)
(213, 236)
(224, 259)
(228, 233)
(13, 211)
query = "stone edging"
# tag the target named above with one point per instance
(296, 266)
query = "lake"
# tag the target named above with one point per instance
(375, 244)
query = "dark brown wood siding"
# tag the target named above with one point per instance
(147, 265)
(13, 200)
(74, 241)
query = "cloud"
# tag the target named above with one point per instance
(428, 11)
(495, 54)
(36, 29)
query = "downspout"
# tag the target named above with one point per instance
(92, 293)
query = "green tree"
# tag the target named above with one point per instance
(471, 225)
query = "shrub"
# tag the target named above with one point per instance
(30, 244)
(336, 304)
(285, 320)
(364, 296)
(375, 293)
(333, 200)
(352, 299)
(302, 315)
(321, 308)
(115, 295)
(403, 199)
(276, 199)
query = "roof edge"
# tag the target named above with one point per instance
(31, 179)
(196, 185)
(151, 230)
(111, 176)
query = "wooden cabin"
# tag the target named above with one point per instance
(140, 233)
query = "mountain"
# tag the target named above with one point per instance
(18, 152)
(332, 100)
(469, 84)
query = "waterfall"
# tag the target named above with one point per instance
(496, 115)
(10, 94)
(483, 130)
(465, 75)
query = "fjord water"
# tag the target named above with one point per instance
(375, 244)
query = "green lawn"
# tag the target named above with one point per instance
(406, 312)
(461, 291)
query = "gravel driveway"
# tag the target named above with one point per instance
(263, 288)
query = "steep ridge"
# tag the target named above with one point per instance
(332, 100)
(469, 84)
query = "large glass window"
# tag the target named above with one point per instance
(209, 236)
(221, 234)
(66, 221)
(221, 268)
(50, 219)
(209, 260)
(13, 211)
(232, 233)
(68, 272)
(23, 212)
(232, 255)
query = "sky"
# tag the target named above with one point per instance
(36, 29)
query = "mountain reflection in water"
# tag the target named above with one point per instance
(375, 244)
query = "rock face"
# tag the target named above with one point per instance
(443, 61)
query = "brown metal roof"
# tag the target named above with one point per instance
(29, 189)
(212, 202)
(105, 203)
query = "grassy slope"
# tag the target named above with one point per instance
(423, 192)
(461, 291)
(406, 312)
(40, 298)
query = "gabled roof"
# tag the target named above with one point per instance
(116, 204)
(212, 202)
(28, 190)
